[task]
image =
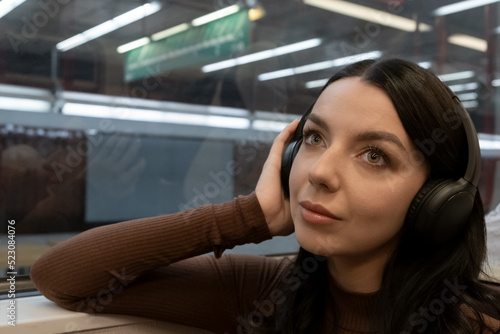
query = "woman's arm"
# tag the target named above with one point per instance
(150, 267)
(103, 261)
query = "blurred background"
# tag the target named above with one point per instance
(115, 110)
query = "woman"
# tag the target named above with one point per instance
(362, 267)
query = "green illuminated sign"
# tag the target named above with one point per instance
(212, 40)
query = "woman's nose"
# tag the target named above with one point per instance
(324, 172)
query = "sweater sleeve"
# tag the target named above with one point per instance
(155, 267)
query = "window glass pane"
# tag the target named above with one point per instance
(96, 130)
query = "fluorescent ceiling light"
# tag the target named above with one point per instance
(456, 76)
(316, 83)
(489, 141)
(253, 57)
(21, 104)
(461, 6)
(133, 45)
(21, 91)
(318, 66)
(469, 42)
(425, 64)
(467, 96)
(464, 87)
(126, 102)
(109, 26)
(470, 104)
(369, 14)
(145, 115)
(215, 15)
(170, 31)
(6, 6)
(266, 125)
(276, 74)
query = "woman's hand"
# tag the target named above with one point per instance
(274, 204)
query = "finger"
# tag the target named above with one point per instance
(289, 130)
(283, 139)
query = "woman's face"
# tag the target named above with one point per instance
(354, 176)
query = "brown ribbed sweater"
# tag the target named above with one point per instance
(155, 267)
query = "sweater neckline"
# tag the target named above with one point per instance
(355, 311)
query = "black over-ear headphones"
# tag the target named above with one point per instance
(442, 207)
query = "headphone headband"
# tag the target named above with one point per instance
(473, 171)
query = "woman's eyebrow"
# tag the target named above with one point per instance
(380, 135)
(317, 120)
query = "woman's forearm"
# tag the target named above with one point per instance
(110, 257)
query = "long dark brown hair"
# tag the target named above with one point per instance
(417, 273)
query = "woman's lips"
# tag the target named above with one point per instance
(316, 214)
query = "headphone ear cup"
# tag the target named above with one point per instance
(441, 209)
(419, 201)
(286, 164)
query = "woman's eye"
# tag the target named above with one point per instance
(375, 157)
(313, 138)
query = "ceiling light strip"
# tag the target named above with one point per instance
(464, 87)
(24, 104)
(316, 83)
(145, 115)
(467, 96)
(133, 45)
(469, 42)
(461, 6)
(318, 66)
(425, 64)
(170, 31)
(369, 14)
(456, 76)
(215, 15)
(109, 26)
(6, 6)
(253, 57)
(489, 141)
